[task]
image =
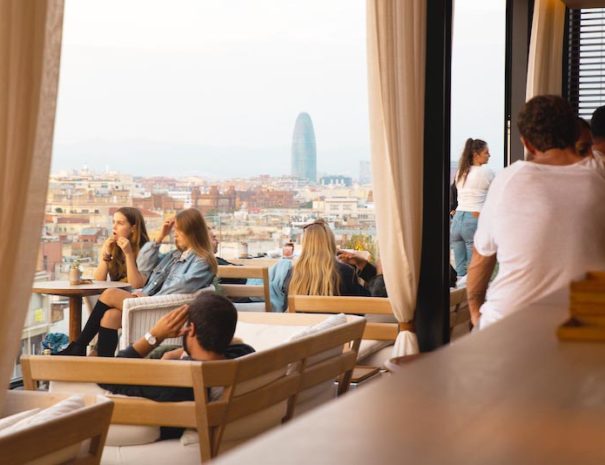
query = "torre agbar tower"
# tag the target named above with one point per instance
(304, 154)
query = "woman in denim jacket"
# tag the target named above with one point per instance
(189, 268)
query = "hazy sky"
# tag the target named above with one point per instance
(478, 76)
(213, 87)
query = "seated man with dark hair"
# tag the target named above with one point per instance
(543, 220)
(207, 326)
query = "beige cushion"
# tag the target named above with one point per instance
(323, 392)
(169, 452)
(131, 435)
(117, 435)
(328, 323)
(66, 387)
(369, 347)
(245, 428)
(256, 423)
(315, 396)
(251, 425)
(42, 416)
(65, 455)
(264, 336)
(272, 335)
(16, 418)
(377, 359)
(250, 306)
(58, 410)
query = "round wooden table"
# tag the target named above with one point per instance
(75, 294)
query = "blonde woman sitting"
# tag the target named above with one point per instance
(317, 271)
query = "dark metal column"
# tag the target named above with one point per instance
(519, 15)
(432, 310)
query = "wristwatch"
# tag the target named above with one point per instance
(150, 338)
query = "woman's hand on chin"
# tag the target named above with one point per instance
(124, 244)
(108, 245)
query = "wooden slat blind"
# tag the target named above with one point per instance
(586, 60)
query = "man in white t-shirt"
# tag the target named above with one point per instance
(543, 220)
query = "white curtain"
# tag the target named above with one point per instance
(30, 46)
(396, 58)
(544, 67)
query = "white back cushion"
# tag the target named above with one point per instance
(117, 435)
(58, 410)
(16, 418)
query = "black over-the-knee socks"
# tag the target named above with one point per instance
(91, 328)
(107, 342)
(78, 347)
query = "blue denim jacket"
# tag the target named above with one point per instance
(172, 273)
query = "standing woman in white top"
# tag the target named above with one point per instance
(472, 182)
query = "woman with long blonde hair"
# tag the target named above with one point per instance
(318, 271)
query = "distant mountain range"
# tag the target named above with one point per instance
(147, 158)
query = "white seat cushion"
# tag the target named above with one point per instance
(16, 418)
(57, 410)
(158, 453)
(377, 359)
(314, 397)
(250, 306)
(264, 336)
(117, 435)
(369, 347)
(42, 416)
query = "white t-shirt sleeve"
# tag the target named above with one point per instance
(487, 176)
(484, 241)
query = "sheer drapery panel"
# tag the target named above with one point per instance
(30, 47)
(544, 68)
(396, 58)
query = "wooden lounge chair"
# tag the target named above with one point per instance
(268, 380)
(246, 290)
(59, 439)
(381, 329)
(460, 316)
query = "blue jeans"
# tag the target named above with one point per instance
(462, 232)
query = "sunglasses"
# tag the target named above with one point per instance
(316, 222)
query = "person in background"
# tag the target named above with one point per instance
(317, 270)
(597, 128)
(278, 273)
(288, 250)
(372, 275)
(207, 326)
(472, 180)
(189, 268)
(584, 138)
(221, 261)
(118, 255)
(597, 154)
(543, 220)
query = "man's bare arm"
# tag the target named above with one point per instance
(479, 272)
